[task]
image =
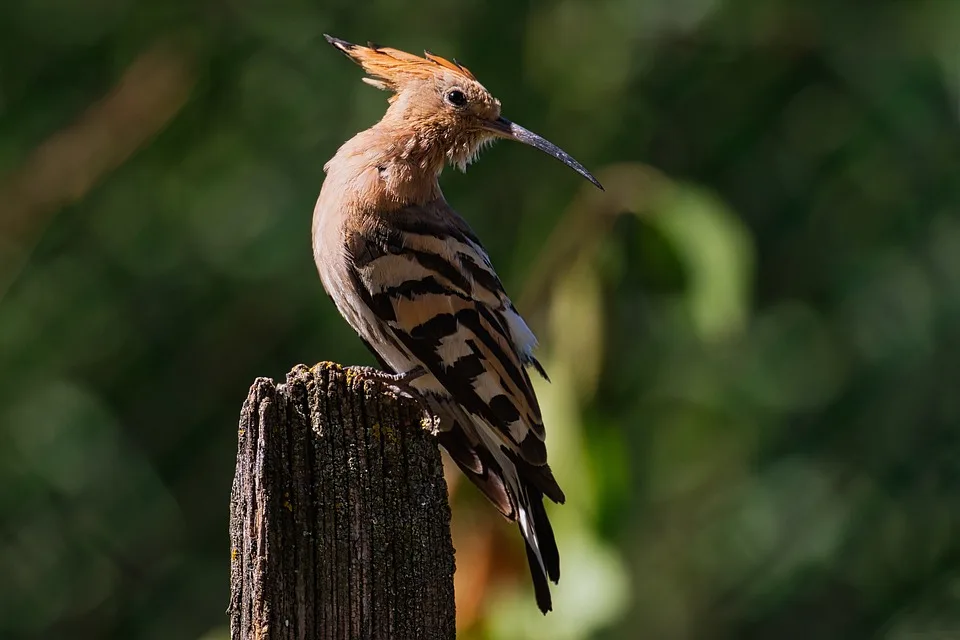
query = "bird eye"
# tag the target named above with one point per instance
(456, 98)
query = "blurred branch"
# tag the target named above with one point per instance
(711, 242)
(339, 522)
(63, 168)
(563, 283)
(629, 188)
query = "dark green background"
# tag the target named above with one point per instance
(754, 410)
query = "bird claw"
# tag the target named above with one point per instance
(398, 383)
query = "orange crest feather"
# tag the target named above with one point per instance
(390, 68)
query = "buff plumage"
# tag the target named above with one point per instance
(409, 275)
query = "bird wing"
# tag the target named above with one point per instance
(424, 274)
(428, 290)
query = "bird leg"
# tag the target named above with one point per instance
(399, 383)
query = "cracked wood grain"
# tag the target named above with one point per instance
(339, 522)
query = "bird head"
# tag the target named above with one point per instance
(445, 103)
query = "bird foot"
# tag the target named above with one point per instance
(399, 383)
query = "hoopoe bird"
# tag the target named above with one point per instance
(412, 279)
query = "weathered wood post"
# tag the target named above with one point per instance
(339, 522)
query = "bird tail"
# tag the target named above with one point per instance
(542, 553)
(514, 486)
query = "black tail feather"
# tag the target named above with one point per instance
(535, 483)
(547, 545)
(545, 539)
(540, 587)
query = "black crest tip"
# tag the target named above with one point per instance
(343, 45)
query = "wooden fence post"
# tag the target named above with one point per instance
(339, 522)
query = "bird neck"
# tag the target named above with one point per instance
(409, 161)
(420, 143)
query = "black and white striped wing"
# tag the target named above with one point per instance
(427, 278)
(427, 285)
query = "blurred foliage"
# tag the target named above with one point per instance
(753, 334)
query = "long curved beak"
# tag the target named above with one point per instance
(512, 131)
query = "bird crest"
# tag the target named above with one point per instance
(391, 68)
